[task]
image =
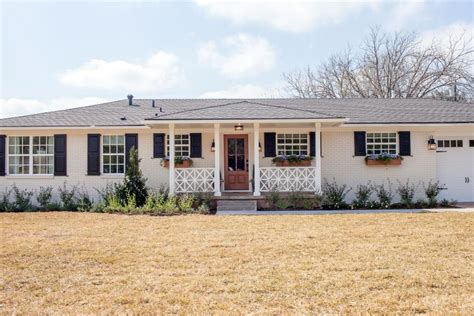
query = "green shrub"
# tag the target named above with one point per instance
(84, 202)
(384, 195)
(432, 190)
(44, 198)
(135, 183)
(363, 194)
(406, 192)
(313, 202)
(448, 203)
(282, 204)
(5, 204)
(67, 197)
(334, 195)
(272, 198)
(185, 203)
(22, 199)
(295, 199)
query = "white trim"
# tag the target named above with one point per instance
(217, 160)
(405, 124)
(256, 159)
(29, 176)
(171, 161)
(317, 154)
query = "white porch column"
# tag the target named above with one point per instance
(256, 159)
(217, 160)
(171, 162)
(317, 140)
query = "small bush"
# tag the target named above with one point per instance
(84, 202)
(185, 203)
(384, 195)
(5, 204)
(44, 198)
(363, 195)
(312, 203)
(282, 204)
(334, 195)
(295, 199)
(432, 190)
(406, 192)
(272, 198)
(448, 203)
(68, 198)
(22, 199)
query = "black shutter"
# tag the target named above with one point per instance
(93, 154)
(270, 144)
(60, 155)
(3, 160)
(196, 145)
(159, 145)
(131, 140)
(404, 143)
(359, 144)
(312, 144)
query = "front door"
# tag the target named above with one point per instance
(236, 174)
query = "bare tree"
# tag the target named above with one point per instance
(394, 65)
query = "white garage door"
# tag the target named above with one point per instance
(455, 167)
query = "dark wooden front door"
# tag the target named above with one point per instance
(236, 162)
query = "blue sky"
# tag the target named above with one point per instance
(58, 55)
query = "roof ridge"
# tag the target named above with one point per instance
(198, 109)
(294, 109)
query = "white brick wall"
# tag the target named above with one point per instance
(337, 162)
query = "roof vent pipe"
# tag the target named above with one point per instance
(130, 99)
(153, 103)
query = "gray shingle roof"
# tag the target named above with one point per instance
(358, 111)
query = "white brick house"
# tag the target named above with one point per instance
(232, 144)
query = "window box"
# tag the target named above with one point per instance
(179, 162)
(292, 161)
(286, 163)
(383, 159)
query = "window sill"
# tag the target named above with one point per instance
(112, 176)
(30, 176)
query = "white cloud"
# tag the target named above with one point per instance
(403, 11)
(242, 91)
(291, 16)
(16, 107)
(442, 36)
(159, 72)
(238, 56)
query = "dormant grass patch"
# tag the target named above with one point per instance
(89, 263)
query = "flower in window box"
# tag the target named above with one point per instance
(383, 159)
(179, 162)
(292, 160)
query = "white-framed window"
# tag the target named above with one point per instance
(292, 144)
(29, 155)
(113, 154)
(378, 143)
(181, 145)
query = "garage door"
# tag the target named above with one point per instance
(455, 167)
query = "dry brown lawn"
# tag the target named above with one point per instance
(88, 263)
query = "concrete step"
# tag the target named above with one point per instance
(236, 205)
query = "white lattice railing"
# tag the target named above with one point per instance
(194, 180)
(287, 179)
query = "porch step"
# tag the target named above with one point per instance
(236, 205)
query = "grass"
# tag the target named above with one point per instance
(380, 263)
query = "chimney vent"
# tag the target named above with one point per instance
(130, 99)
(153, 103)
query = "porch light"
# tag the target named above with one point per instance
(259, 146)
(432, 144)
(213, 146)
(239, 127)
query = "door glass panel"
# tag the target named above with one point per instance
(241, 162)
(231, 146)
(231, 163)
(240, 146)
